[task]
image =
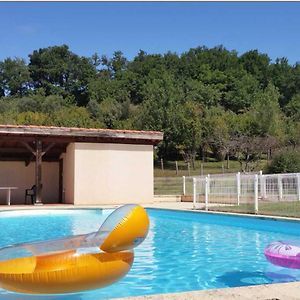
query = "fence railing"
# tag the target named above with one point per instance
(275, 194)
(180, 185)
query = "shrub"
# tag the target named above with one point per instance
(285, 162)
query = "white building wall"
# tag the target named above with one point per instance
(68, 174)
(108, 173)
(18, 175)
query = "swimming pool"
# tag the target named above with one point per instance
(184, 251)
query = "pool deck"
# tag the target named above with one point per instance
(280, 291)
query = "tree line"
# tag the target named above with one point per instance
(205, 100)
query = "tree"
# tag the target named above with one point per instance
(73, 117)
(292, 109)
(59, 71)
(282, 78)
(206, 94)
(266, 115)
(285, 162)
(14, 77)
(248, 150)
(203, 99)
(216, 131)
(243, 89)
(187, 130)
(158, 111)
(256, 64)
(110, 111)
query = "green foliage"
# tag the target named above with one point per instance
(204, 100)
(14, 77)
(76, 117)
(205, 94)
(257, 65)
(216, 131)
(59, 71)
(292, 109)
(242, 92)
(32, 118)
(266, 116)
(285, 162)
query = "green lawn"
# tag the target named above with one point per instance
(285, 209)
(210, 167)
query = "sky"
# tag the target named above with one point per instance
(155, 27)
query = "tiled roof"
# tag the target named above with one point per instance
(80, 129)
(120, 134)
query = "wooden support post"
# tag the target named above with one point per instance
(189, 169)
(38, 171)
(38, 153)
(201, 169)
(162, 164)
(176, 164)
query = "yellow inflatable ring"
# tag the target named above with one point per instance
(79, 262)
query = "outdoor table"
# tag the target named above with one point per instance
(8, 188)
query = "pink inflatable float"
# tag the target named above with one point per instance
(284, 253)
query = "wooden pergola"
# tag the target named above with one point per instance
(42, 143)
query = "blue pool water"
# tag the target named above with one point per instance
(184, 251)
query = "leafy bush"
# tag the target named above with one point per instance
(285, 162)
(74, 117)
(32, 118)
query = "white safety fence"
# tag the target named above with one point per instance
(277, 194)
(187, 181)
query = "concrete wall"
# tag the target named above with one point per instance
(18, 175)
(109, 173)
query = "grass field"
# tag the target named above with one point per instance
(210, 167)
(284, 209)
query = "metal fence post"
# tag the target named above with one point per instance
(261, 184)
(238, 187)
(256, 193)
(183, 185)
(298, 185)
(208, 183)
(194, 192)
(279, 182)
(206, 192)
